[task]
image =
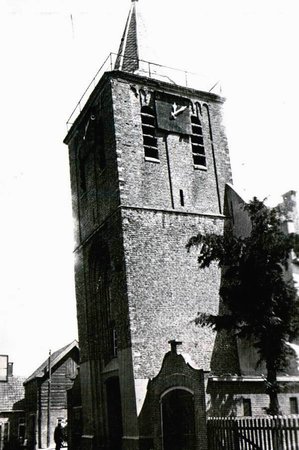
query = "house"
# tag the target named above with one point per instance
(12, 412)
(46, 395)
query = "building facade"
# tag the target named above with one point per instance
(149, 167)
(149, 163)
(46, 395)
(12, 407)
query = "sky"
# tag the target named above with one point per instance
(50, 51)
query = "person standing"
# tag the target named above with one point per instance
(58, 436)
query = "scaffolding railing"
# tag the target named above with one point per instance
(148, 69)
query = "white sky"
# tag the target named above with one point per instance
(50, 51)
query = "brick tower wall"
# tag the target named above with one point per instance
(133, 208)
(144, 183)
(165, 288)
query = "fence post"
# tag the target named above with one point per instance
(236, 435)
(276, 433)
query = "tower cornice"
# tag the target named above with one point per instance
(140, 80)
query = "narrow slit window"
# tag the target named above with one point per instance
(182, 197)
(150, 142)
(198, 149)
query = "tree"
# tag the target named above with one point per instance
(258, 296)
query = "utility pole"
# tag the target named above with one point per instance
(49, 402)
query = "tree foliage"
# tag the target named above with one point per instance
(257, 291)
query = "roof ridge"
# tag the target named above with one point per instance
(55, 358)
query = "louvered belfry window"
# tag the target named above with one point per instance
(150, 143)
(198, 149)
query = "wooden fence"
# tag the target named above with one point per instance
(254, 433)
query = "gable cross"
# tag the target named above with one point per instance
(173, 345)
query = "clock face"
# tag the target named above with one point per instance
(173, 114)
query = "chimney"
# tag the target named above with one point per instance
(10, 369)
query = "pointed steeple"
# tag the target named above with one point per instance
(132, 43)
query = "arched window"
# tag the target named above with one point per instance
(198, 149)
(148, 122)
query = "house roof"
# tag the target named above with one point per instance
(56, 357)
(11, 393)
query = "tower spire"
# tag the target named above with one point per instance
(132, 47)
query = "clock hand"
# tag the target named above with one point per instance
(174, 108)
(176, 111)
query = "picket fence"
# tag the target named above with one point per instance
(254, 433)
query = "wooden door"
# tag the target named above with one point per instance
(178, 421)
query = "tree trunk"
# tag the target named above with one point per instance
(272, 389)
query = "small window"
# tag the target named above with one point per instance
(182, 197)
(150, 143)
(198, 150)
(247, 407)
(3, 367)
(293, 405)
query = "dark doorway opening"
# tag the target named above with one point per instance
(31, 444)
(115, 428)
(178, 421)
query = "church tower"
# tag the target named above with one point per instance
(149, 163)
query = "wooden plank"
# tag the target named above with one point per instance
(260, 426)
(292, 432)
(236, 435)
(262, 433)
(295, 426)
(255, 433)
(246, 435)
(269, 422)
(231, 434)
(222, 434)
(286, 426)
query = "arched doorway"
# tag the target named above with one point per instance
(178, 421)
(115, 428)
